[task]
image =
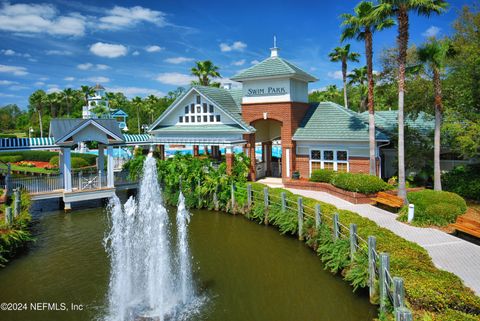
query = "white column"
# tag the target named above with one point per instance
(101, 158)
(67, 170)
(60, 161)
(110, 165)
(287, 162)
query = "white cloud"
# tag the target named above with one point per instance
(58, 53)
(122, 17)
(69, 78)
(99, 79)
(102, 67)
(153, 48)
(10, 52)
(7, 95)
(17, 87)
(43, 78)
(17, 71)
(178, 60)
(135, 53)
(108, 50)
(239, 62)
(431, 32)
(40, 18)
(39, 84)
(335, 74)
(85, 66)
(7, 82)
(90, 66)
(236, 46)
(254, 62)
(175, 78)
(136, 91)
(54, 89)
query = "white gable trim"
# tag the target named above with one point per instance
(85, 124)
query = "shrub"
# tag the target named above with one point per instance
(463, 180)
(77, 162)
(435, 207)
(45, 156)
(11, 159)
(8, 136)
(322, 175)
(360, 183)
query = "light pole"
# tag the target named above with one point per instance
(30, 132)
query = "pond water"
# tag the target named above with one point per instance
(244, 270)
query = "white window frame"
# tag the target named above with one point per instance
(200, 114)
(322, 161)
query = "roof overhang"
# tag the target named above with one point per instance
(198, 140)
(65, 140)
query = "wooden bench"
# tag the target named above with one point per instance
(388, 199)
(467, 226)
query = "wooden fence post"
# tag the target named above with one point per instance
(284, 201)
(353, 240)
(249, 195)
(17, 203)
(403, 314)
(232, 192)
(8, 216)
(300, 218)
(215, 198)
(265, 201)
(336, 227)
(398, 292)
(384, 269)
(199, 186)
(318, 216)
(372, 245)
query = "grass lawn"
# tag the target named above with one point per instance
(32, 169)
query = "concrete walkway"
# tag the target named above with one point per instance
(447, 252)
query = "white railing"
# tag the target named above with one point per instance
(37, 184)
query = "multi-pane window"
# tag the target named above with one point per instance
(199, 119)
(205, 108)
(211, 108)
(192, 119)
(192, 108)
(180, 119)
(199, 111)
(336, 160)
(212, 118)
(186, 119)
(186, 109)
(205, 118)
(217, 118)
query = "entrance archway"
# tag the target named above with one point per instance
(269, 135)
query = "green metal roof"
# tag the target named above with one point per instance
(387, 120)
(272, 67)
(224, 128)
(328, 121)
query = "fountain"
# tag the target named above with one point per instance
(142, 283)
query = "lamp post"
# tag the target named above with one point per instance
(30, 132)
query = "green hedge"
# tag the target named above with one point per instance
(11, 159)
(77, 162)
(434, 207)
(45, 156)
(463, 180)
(353, 182)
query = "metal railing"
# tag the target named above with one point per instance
(37, 184)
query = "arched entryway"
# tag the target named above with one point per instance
(269, 136)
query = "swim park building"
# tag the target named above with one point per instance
(272, 108)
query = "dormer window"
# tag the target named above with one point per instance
(199, 99)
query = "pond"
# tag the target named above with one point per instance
(246, 271)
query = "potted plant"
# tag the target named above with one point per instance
(296, 175)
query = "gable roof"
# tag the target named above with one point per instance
(328, 121)
(274, 67)
(118, 112)
(387, 120)
(226, 100)
(62, 128)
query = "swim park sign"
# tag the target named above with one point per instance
(268, 91)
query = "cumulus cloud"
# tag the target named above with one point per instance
(90, 66)
(53, 89)
(7, 82)
(236, 46)
(335, 74)
(136, 91)
(15, 70)
(69, 78)
(85, 66)
(239, 62)
(58, 53)
(153, 48)
(108, 50)
(40, 18)
(10, 52)
(99, 79)
(122, 17)
(175, 78)
(178, 60)
(431, 32)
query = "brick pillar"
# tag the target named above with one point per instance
(205, 150)
(250, 146)
(268, 157)
(229, 159)
(161, 151)
(264, 152)
(195, 150)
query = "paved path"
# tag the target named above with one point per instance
(448, 252)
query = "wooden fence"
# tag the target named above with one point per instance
(380, 282)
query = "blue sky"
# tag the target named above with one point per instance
(148, 47)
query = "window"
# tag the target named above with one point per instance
(199, 100)
(186, 109)
(211, 108)
(199, 109)
(212, 118)
(336, 160)
(187, 119)
(192, 108)
(205, 118)
(192, 119)
(217, 118)
(180, 119)
(199, 119)
(204, 108)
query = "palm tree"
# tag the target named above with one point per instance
(359, 76)
(401, 9)
(37, 100)
(68, 94)
(344, 55)
(205, 70)
(87, 91)
(151, 103)
(361, 26)
(434, 55)
(137, 102)
(53, 100)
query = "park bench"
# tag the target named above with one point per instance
(389, 200)
(467, 226)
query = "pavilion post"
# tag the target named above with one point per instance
(195, 150)
(60, 162)
(101, 158)
(67, 169)
(161, 151)
(110, 182)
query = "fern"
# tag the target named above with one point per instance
(357, 274)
